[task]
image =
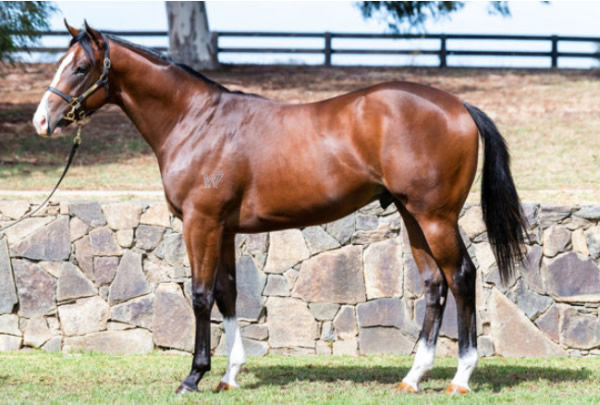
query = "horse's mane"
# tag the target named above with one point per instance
(167, 59)
(84, 40)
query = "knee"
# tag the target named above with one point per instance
(202, 299)
(435, 287)
(432, 283)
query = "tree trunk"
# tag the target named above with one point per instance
(190, 40)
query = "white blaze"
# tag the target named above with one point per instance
(235, 351)
(39, 118)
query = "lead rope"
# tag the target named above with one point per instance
(76, 143)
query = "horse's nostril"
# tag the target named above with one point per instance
(40, 122)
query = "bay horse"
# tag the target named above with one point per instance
(285, 165)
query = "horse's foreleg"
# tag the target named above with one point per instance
(225, 296)
(450, 253)
(203, 242)
(435, 291)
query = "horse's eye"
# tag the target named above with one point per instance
(81, 70)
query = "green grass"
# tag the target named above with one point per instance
(85, 378)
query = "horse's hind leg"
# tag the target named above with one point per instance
(449, 251)
(225, 296)
(435, 291)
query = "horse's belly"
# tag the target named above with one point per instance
(313, 209)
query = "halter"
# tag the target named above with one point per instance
(76, 113)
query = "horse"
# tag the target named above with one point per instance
(277, 165)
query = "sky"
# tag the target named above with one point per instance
(528, 17)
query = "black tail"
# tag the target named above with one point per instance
(500, 203)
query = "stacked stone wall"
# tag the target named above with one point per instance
(114, 277)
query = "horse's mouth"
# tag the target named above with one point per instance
(56, 131)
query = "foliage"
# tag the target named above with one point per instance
(413, 14)
(19, 23)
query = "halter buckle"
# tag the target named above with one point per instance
(76, 112)
(75, 104)
(70, 115)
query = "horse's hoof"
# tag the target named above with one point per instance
(184, 389)
(457, 389)
(223, 386)
(406, 388)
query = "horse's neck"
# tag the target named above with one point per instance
(154, 96)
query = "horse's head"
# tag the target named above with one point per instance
(80, 85)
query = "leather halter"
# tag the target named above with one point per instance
(77, 113)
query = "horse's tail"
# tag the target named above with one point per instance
(500, 204)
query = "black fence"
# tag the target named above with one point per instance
(328, 50)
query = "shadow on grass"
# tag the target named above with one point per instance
(496, 377)
(493, 378)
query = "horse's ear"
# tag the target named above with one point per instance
(73, 31)
(94, 35)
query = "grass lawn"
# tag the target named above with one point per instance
(550, 119)
(86, 378)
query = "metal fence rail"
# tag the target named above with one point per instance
(328, 50)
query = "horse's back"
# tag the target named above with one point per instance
(309, 163)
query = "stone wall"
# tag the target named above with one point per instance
(114, 277)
